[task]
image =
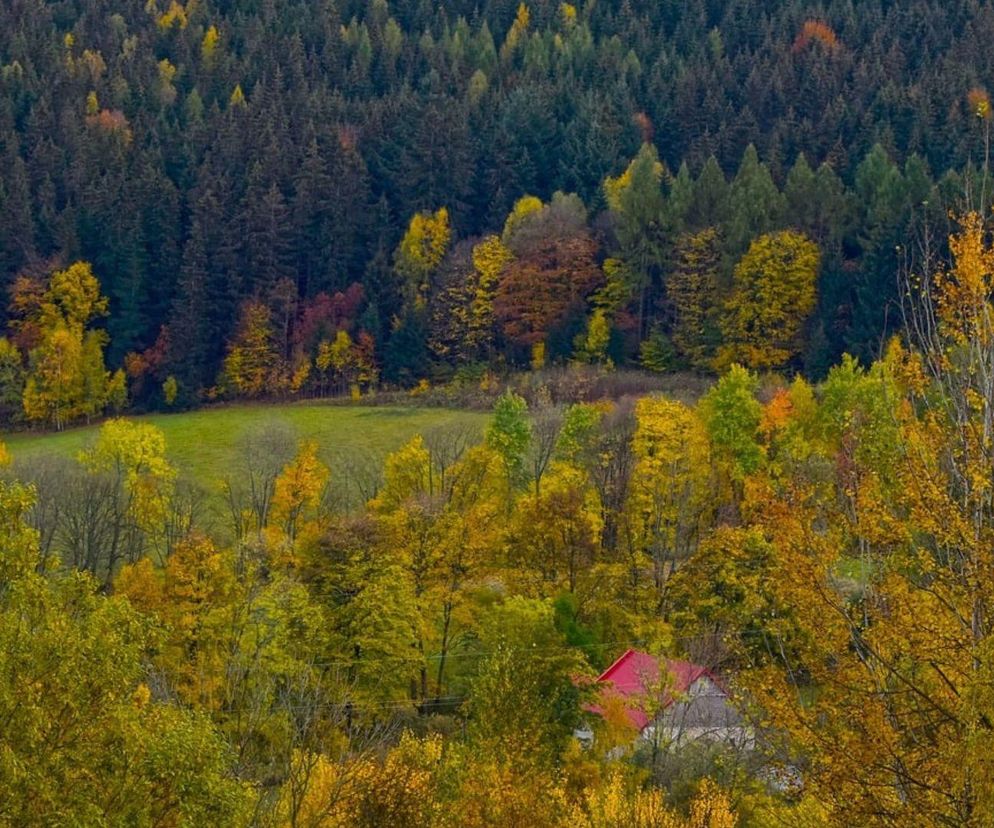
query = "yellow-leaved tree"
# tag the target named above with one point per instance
(435, 527)
(673, 485)
(774, 293)
(555, 532)
(421, 251)
(252, 365)
(85, 740)
(131, 456)
(518, 31)
(618, 801)
(364, 791)
(299, 488)
(67, 379)
(489, 259)
(873, 549)
(523, 207)
(194, 595)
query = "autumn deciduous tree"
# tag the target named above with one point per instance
(616, 803)
(774, 293)
(816, 31)
(489, 258)
(54, 391)
(556, 533)
(131, 457)
(552, 272)
(505, 728)
(542, 287)
(462, 304)
(336, 357)
(858, 588)
(732, 416)
(253, 361)
(524, 207)
(723, 596)
(84, 738)
(509, 434)
(434, 526)
(365, 791)
(239, 642)
(67, 379)
(672, 493)
(263, 453)
(194, 594)
(299, 488)
(421, 251)
(594, 344)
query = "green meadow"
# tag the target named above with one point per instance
(204, 444)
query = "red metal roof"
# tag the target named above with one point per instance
(636, 674)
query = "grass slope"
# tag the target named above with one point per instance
(203, 443)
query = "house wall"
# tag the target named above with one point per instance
(703, 714)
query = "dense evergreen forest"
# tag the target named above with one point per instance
(240, 177)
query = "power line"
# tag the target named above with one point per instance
(561, 648)
(416, 657)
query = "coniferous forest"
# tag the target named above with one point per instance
(515, 414)
(241, 176)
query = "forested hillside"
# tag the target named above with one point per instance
(685, 518)
(240, 177)
(820, 553)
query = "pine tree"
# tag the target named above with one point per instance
(709, 205)
(636, 198)
(16, 223)
(754, 202)
(268, 251)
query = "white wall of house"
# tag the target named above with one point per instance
(704, 713)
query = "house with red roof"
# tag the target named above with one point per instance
(671, 702)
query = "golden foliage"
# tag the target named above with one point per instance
(299, 488)
(672, 489)
(964, 293)
(67, 379)
(252, 363)
(774, 294)
(517, 32)
(366, 792)
(618, 802)
(979, 102)
(421, 251)
(208, 46)
(523, 207)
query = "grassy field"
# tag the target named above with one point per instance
(203, 444)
